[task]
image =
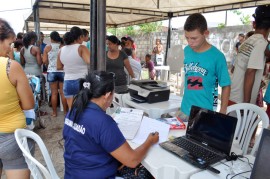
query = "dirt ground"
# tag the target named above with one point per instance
(53, 139)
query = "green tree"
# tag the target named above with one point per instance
(112, 30)
(221, 25)
(150, 27)
(145, 28)
(245, 19)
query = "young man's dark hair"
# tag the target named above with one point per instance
(262, 17)
(196, 21)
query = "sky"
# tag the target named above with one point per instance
(15, 11)
(215, 18)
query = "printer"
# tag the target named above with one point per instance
(148, 91)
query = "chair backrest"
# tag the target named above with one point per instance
(249, 116)
(35, 83)
(36, 168)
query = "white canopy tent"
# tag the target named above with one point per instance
(44, 26)
(119, 13)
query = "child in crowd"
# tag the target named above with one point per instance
(150, 65)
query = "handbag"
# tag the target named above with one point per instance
(139, 172)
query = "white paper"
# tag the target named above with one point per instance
(149, 125)
(129, 121)
(122, 110)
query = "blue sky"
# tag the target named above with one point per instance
(15, 11)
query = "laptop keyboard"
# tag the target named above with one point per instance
(196, 150)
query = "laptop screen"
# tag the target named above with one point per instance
(261, 168)
(211, 128)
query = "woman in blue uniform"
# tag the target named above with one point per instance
(94, 145)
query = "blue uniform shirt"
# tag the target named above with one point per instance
(88, 144)
(202, 70)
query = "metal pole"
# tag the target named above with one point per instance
(101, 34)
(93, 35)
(226, 18)
(26, 28)
(170, 15)
(36, 19)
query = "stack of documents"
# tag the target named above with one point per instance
(128, 120)
(150, 125)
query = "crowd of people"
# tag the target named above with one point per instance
(94, 145)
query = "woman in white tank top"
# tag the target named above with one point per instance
(30, 55)
(54, 77)
(73, 59)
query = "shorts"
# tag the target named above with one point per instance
(71, 88)
(11, 156)
(55, 76)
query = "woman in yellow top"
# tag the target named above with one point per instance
(15, 96)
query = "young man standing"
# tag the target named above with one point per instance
(205, 67)
(249, 65)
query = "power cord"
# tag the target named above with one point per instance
(227, 177)
(234, 156)
(250, 164)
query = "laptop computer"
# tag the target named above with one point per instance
(208, 138)
(260, 168)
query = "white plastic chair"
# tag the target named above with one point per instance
(36, 168)
(249, 116)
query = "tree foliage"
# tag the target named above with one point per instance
(150, 27)
(245, 19)
(136, 29)
(221, 25)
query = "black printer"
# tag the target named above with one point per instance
(148, 91)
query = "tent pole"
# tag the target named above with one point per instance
(93, 38)
(36, 20)
(26, 28)
(226, 18)
(168, 45)
(101, 34)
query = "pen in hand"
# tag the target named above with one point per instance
(153, 133)
(153, 137)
